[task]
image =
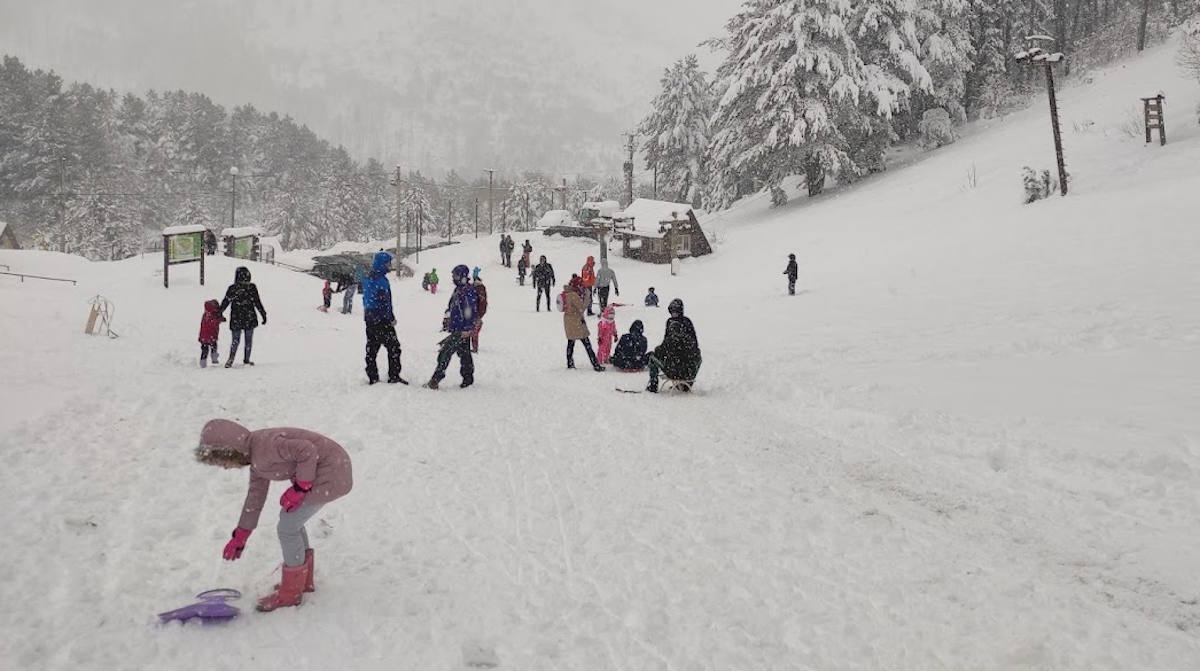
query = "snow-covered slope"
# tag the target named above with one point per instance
(971, 442)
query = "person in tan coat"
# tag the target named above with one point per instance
(576, 327)
(319, 471)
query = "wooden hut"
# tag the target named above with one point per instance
(661, 231)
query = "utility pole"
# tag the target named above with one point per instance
(504, 216)
(449, 220)
(656, 181)
(62, 203)
(399, 184)
(420, 228)
(233, 172)
(526, 217)
(1035, 55)
(490, 173)
(476, 218)
(629, 145)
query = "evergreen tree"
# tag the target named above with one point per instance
(676, 130)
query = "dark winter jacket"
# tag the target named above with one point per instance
(652, 300)
(543, 275)
(210, 323)
(680, 350)
(243, 296)
(521, 266)
(792, 271)
(377, 292)
(631, 349)
(462, 309)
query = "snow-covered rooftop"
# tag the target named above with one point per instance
(647, 214)
(180, 230)
(241, 231)
(606, 208)
(556, 218)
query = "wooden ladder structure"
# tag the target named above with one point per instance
(1154, 118)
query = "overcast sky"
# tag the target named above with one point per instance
(296, 55)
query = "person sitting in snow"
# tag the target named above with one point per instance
(630, 355)
(460, 322)
(606, 333)
(433, 280)
(210, 330)
(319, 471)
(792, 271)
(678, 356)
(327, 295)
(651, 299)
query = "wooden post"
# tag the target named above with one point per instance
(202, 261)
(399, 217)
(166, 266)
(1153, 111)
(449, 220)
(1058, 148)
(476, 218)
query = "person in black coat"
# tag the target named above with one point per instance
(678, 357)
(792, 272)
(243, 296)
(630, 354)
(543, 280)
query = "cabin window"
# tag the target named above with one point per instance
(683, 243)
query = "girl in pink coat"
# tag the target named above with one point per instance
(606, 331)
(319, 472)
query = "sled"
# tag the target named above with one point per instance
(212, 607)
(665, 387)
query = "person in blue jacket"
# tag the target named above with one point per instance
(460, 322)
(381, 321)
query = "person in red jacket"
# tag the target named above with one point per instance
(210, 329)
(588, 276)
(327, 295)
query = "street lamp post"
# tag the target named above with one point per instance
(233, 172)
(490, 173)
(1035, 55)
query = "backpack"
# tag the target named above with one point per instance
(480, 301)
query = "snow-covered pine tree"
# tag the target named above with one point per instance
(791, 66)
(676, 130)
(945, 51)
(885, 33)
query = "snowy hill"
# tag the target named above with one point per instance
(971, 442)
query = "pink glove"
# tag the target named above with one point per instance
(233, 549)
(294, 496)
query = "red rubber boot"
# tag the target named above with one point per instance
(289, 591)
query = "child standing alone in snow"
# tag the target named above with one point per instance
(319, 471)
(210, 330)
(327, 295)
(606, 333)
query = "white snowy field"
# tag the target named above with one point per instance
(971, 442)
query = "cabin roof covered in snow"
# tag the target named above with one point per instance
(556, 218)
(647, 214)
(241, 231)
(180, 230)
(606, 208)
(3, 225)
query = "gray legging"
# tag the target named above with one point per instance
(292, 536)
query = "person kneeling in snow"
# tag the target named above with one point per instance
(319, 470)
(678, 357)
(630, 355)
(460, 322)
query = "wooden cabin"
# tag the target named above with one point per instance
(8, 239)
(661, 231)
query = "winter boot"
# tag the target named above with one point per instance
(432, 384)
(308, 572)
(204, 362)
(652, 387)
(394, 380)
(289, 591)
(598, 368)
(229, 363)
(467, 382)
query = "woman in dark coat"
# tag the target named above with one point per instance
(243, 296)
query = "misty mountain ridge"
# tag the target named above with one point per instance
(536, 84)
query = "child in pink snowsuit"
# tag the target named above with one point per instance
(606, 331)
